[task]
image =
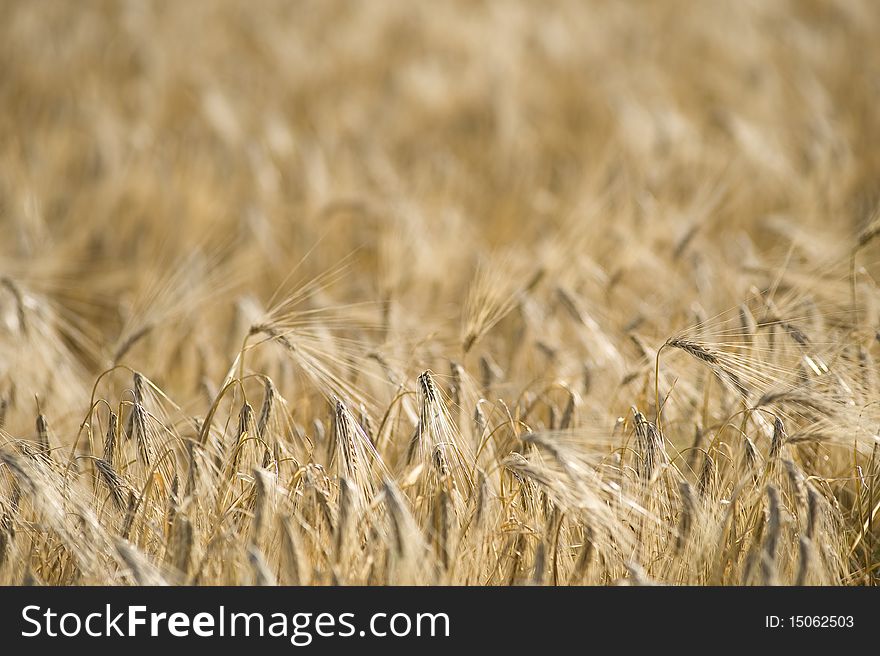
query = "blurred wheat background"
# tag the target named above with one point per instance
(469, 292)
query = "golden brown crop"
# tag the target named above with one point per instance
(475, 292)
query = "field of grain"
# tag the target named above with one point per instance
(476, 292)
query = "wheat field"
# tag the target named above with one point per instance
(478, 292)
